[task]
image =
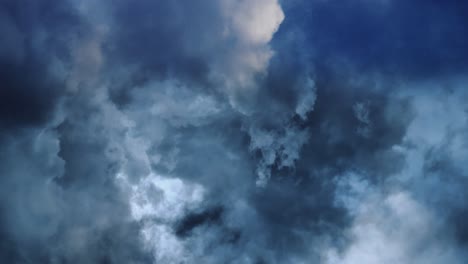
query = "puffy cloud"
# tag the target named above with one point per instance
(396, 229)
(224, 43)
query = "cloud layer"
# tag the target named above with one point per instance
(233, 131)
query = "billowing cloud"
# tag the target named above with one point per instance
(396, 229)
(233, 131)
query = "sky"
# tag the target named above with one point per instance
(233, 131)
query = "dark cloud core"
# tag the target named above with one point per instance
(227, 131)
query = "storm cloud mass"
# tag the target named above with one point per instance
(234, 131)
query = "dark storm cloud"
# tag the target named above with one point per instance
(218, 47)
(162, 39)
(34, 57)
(194, 220)
(56, 205)
(33, 52)
(165, 38)
(338, 128)
(59, 201)
(184, 132)
(297, 206)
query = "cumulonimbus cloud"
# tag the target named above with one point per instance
(230, 131)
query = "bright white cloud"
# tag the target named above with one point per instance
(392, 228)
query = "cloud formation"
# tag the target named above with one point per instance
(233, 131)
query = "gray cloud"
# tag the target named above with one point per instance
(232, 132)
